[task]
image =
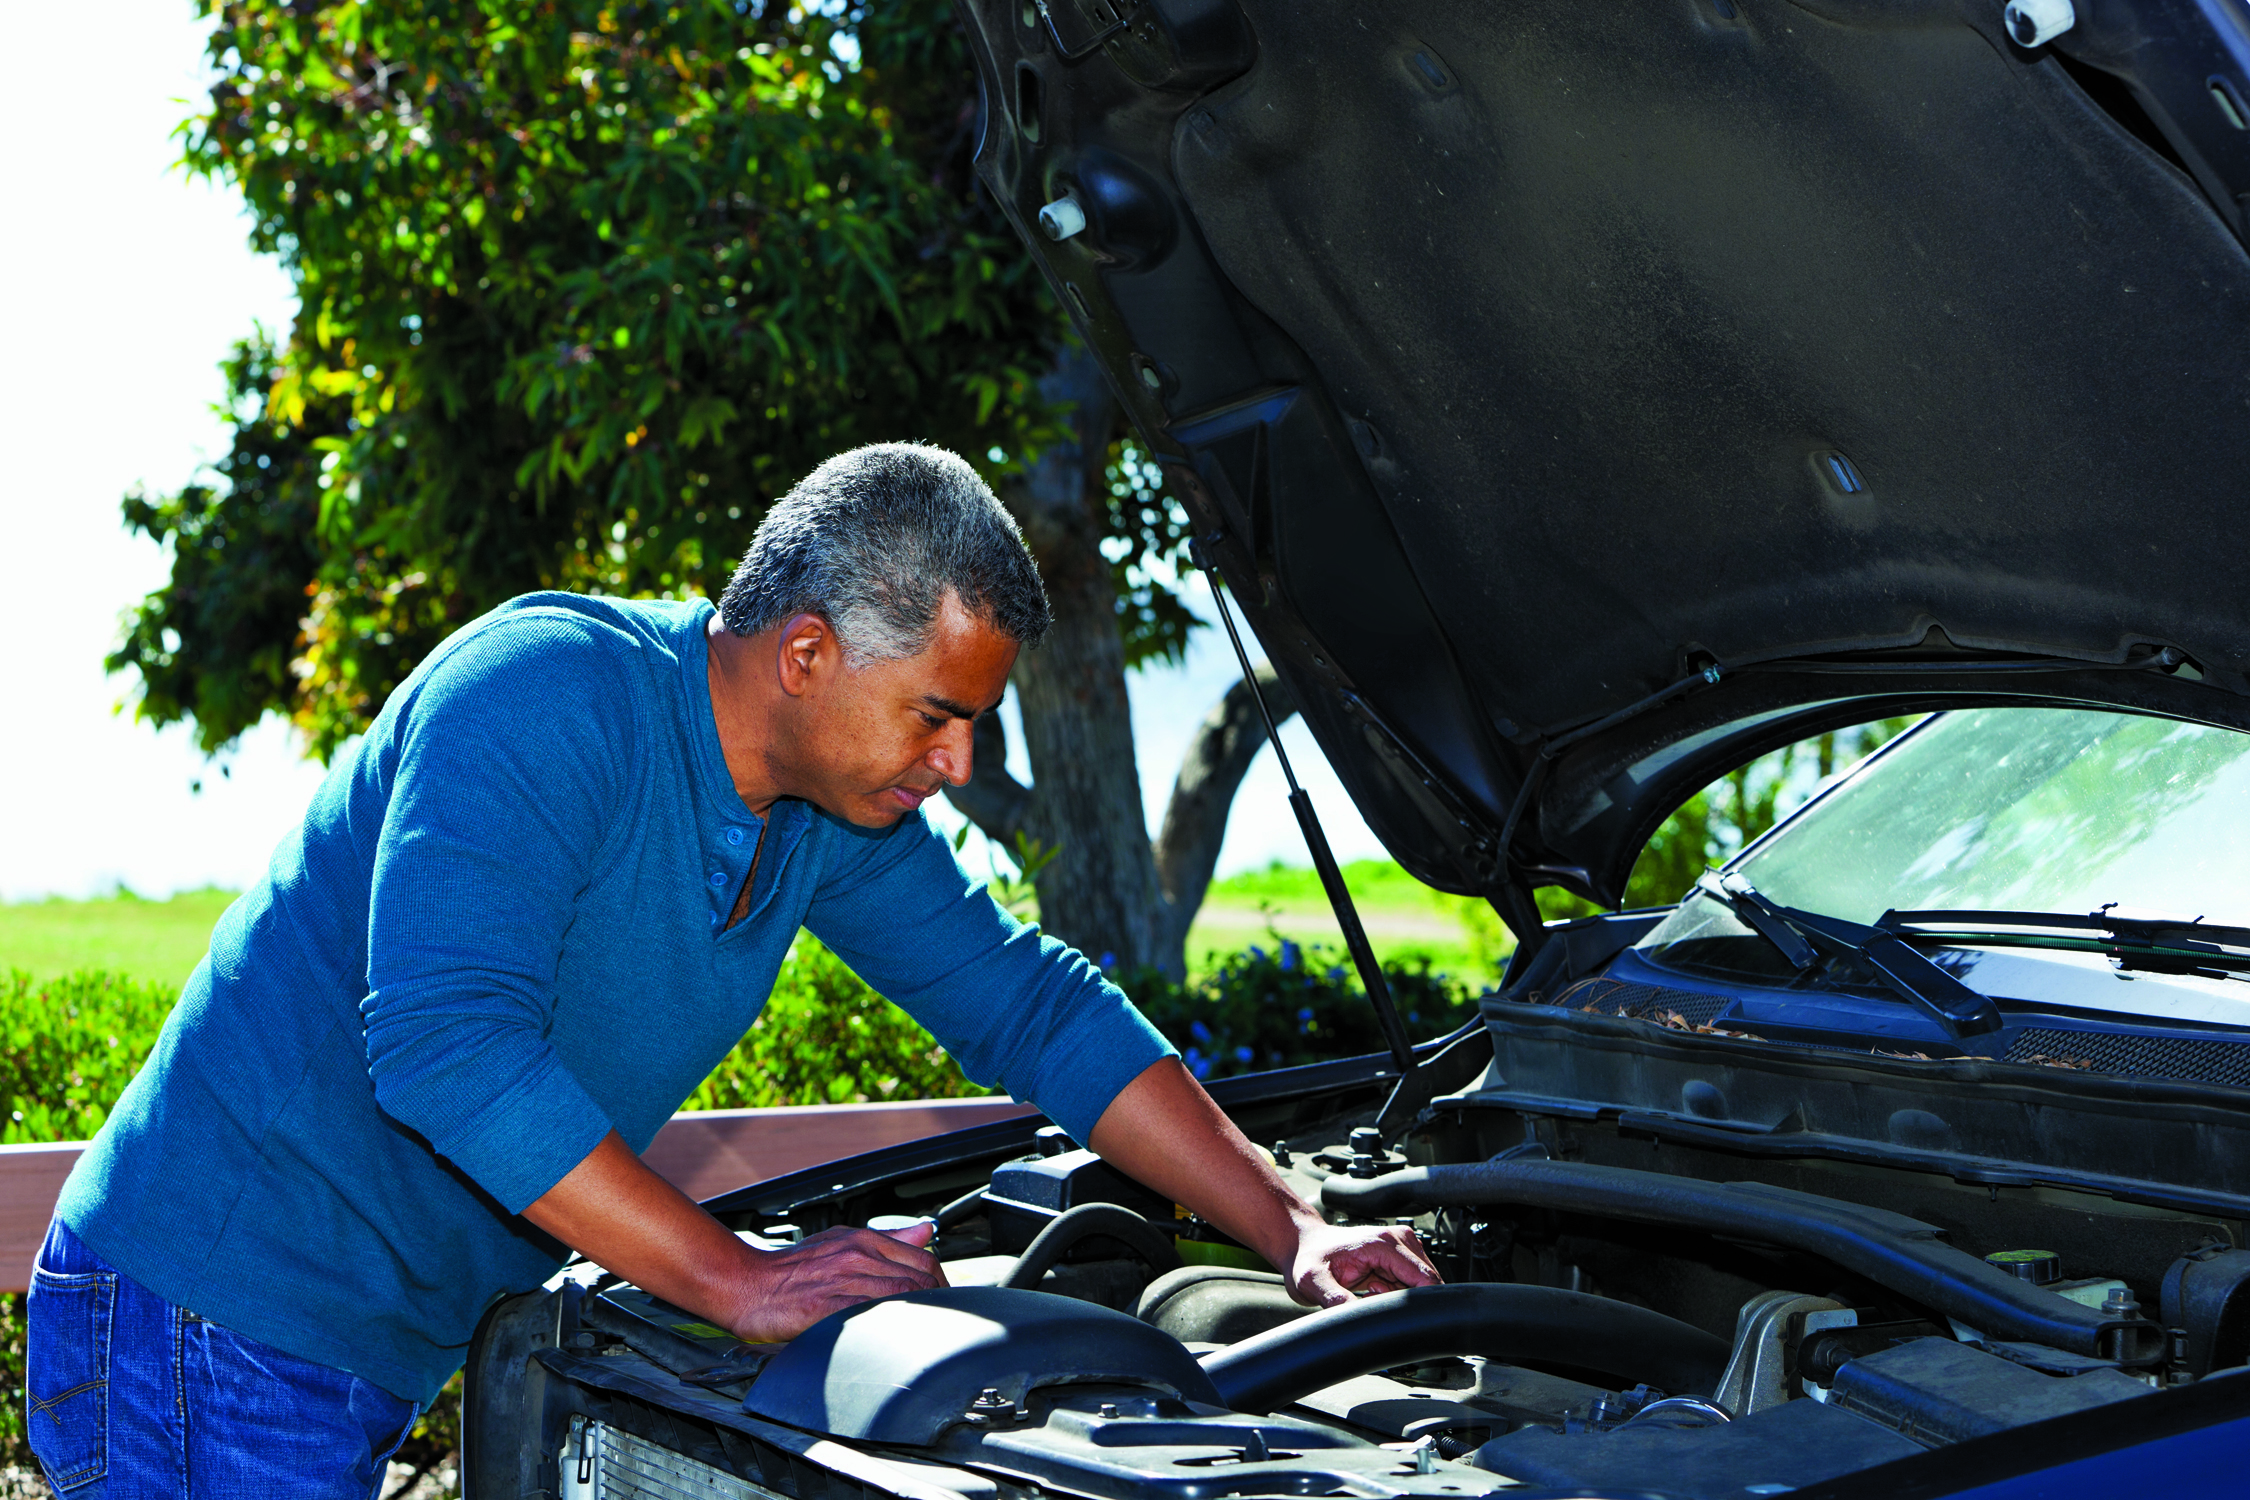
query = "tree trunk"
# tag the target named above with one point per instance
(1109, 892)
(1195, 816)
(1100, 892)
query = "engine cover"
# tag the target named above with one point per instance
(904, 1369)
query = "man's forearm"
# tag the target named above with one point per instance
(1165, 1133)
(613, 1209)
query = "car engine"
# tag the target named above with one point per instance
(1622, 1313)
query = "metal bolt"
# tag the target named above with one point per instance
(2034, 23)
(1425, 1456)
(1062, 218)
(2121, 1304)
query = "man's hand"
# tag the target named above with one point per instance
(1334, 1264)
(1165, 1132)
(616, 1212)
(787, 1291)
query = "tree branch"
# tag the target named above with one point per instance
(993, 800)
(1195, 819)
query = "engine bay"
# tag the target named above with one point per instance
(1623, 1312)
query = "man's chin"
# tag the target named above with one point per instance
(879, 811)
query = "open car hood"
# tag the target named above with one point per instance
(1584, 398)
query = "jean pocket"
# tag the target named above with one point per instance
(66, 1374)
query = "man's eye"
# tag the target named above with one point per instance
(929, 721)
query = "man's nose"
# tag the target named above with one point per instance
(954, 754)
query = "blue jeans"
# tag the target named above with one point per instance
(128, 1397)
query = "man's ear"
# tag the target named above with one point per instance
(807, 652)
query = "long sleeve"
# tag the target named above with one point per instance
(510, 768)
(1012, 1006)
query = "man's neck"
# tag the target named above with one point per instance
(740, 713)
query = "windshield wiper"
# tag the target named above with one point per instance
(1801, 935)
(2152, 941)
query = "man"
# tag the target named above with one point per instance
(523, 918)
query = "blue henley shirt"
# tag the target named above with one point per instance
(500, 932)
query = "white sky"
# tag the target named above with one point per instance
(122, 285)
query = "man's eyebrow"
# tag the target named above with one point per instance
(956, 710)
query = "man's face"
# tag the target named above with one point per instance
(875, 742)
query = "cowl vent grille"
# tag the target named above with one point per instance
(2188, 1059)
(1642, 1002)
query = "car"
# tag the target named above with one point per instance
(1578, 402)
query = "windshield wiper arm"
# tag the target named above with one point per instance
(1799, 935)
(2153, 941)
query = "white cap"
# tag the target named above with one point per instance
(1064, 218)
(2035, 22)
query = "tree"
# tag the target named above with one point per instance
(1129, 901)
(584, 287)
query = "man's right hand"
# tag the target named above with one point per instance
(787, 1291)
(617, 1213)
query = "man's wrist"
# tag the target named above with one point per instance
(1299, 1220)
(730, 1285)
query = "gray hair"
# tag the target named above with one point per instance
(873, 540)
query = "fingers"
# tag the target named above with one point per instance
(894, 1249)
(917, 1234)
(790, 1290)
(1363, 1262)
(1404, 1258)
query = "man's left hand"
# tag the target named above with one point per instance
(1336, 1263)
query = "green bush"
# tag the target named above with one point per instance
(72, 1046)
(826, 1038)
(1289, 1005)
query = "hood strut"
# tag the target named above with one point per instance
(1324, 861)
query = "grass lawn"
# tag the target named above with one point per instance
(152, 940)
(163, 940)
(1403, 917)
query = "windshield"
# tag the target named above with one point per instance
(2031, 809)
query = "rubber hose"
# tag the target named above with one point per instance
(1110, 1221)
(1889, 1249)
(961, 1208)
(1508, 1322)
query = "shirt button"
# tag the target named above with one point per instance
(718, 880)
(714, 919)
(734, 835)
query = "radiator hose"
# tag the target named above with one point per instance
(1516, 1324)
(1107, 1221)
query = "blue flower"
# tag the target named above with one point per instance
(1200, 1032)
(1108, 962)
(1197, 1063)
(1288, 956)
(1243, 1054)
(1305, 1014)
